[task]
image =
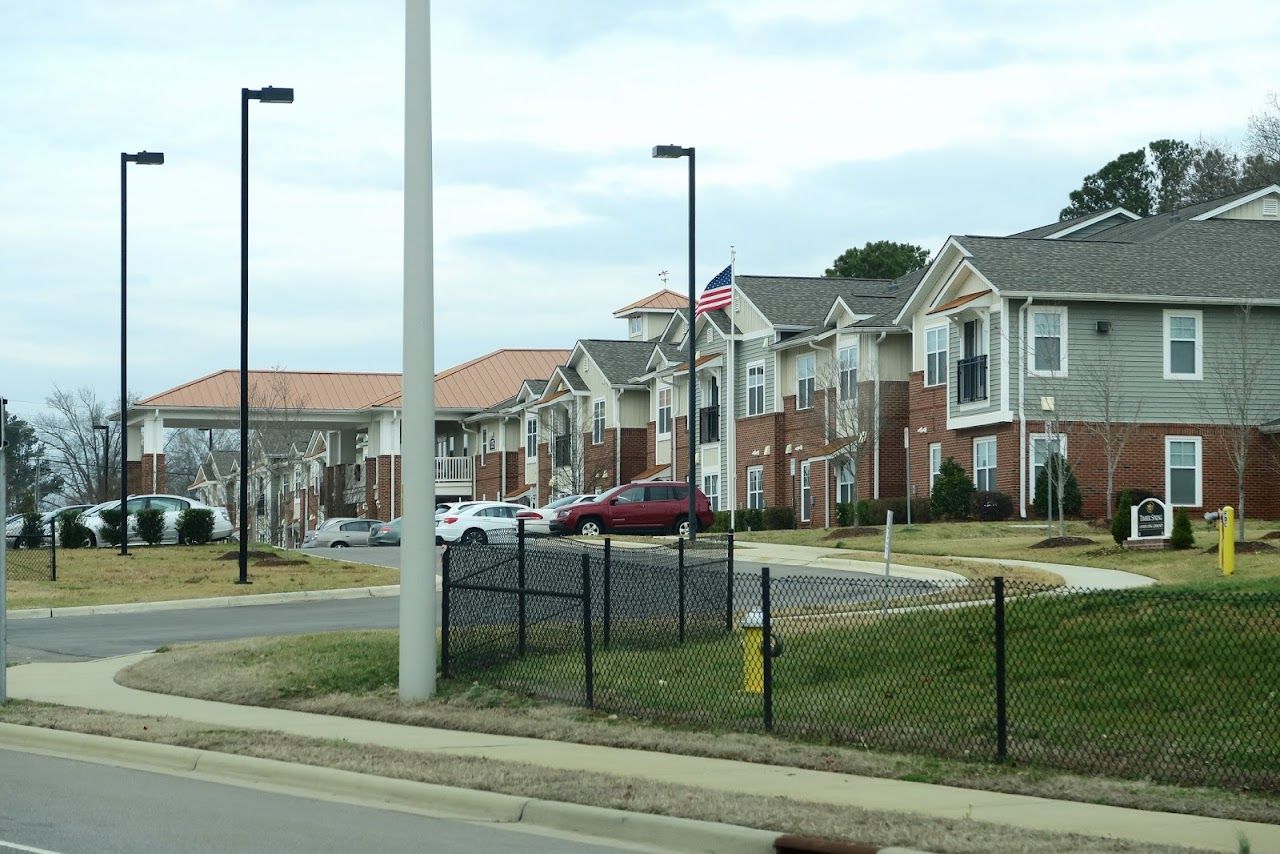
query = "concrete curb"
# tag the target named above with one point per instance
(677, 834)
(209, 602)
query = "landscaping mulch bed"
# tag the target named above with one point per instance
(1271, 535)
(859, 531)
(252, 553)
(280, 561)
(1062, 542)
(1248, 547)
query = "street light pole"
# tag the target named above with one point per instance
(142, 158)
(267, 95)
(668, 152)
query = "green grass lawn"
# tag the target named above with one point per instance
(1012, 540)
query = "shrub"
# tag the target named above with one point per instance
(751, 519)
(195, 526)
(110, 532)
(30, 535)
(845, 513)
(862, 512)
(719, 526)
(150, 525)
(71, 534)
(1071, 500)
(1121, 521)
(991, 506)
(778, 518)
(1182, 538)
(952, 492)
(876, 511)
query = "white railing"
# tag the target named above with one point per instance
(453, 469)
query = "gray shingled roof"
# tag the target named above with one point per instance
(619, 361)
(805, 301)
(720, 319)
(1237, 259)
(572, 379)
(672, 352)
(1055, 227)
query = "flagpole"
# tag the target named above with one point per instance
(732, 432)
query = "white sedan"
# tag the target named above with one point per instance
(170, 505)
(538, 520)
(475, 523)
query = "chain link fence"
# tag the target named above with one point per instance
(1164, 684)
(31, 554)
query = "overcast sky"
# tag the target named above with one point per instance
(819, 125)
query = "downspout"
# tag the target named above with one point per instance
(876, 459)
(1022, 414)
(617, 437)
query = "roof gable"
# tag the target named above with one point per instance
(662, 301)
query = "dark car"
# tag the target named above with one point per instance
(661, 506)
(385, 534)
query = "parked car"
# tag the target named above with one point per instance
(341, 533)
(171, 506)
(385, 534)
(12, 528)
(653, 506)
(475, 522)
(538, 520)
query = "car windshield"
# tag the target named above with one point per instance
(562, 502)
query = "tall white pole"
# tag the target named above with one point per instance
(417, 557)
(4, 542)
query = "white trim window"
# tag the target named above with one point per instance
(806, 491)
(664, 410)
(635, 326)
(935, 464)
(1183, 471)
(597, 421)
(936, 344)
(806, 373)
(755, 488)
(1048, 342)
(984, 464)
(1183, 344)
(484, 443)
(755, 388)
(846, 492)
(847, 360)
(531, 437)
(1041, 447)
(711, 489)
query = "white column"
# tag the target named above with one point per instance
(417, 561)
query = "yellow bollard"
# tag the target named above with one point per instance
(752, 652)
(1227, 541)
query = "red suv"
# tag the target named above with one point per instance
(659, 505)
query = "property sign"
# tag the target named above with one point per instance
(1151, 518)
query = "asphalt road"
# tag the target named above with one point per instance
(50, 805)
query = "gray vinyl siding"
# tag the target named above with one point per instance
(1135, 347)
(746, 352)
(995, 352)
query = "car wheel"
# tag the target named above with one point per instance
(682, 526)
(339, 545)
(93, 541)
(474, 537)
(590, 528)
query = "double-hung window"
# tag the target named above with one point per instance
(1182, 470)
(664, 411)
(1048, 357)
(845, 492)
(597, 422)
(847, 358)
(531, 437)
(755, 388)
(711, 488)
(484, 443)
(755, 487)
(1041, 448)
(806, 369)
(1183, 344)
(935, 355)
(935, 464)
(633, 327)
(984, 464)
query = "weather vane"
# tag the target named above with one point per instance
(664, 275)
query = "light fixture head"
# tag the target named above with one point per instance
(146, 158)
(273, 94)
(669, 151)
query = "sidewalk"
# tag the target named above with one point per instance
(92, 685)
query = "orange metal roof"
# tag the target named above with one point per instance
(700, 361)
(959, 301)
(664, 300)
(484, 381)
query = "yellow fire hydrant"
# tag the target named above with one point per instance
(753, 651)
(1227, 540)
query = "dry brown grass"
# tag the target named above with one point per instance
(595, 789)
(254, 672)
(158, 573)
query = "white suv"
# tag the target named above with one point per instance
(170, 505)
(474, 523)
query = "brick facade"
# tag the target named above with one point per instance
(489, 474)
(141, 479)
(634, 457)
(760, 444)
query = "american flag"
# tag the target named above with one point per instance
(718, 293)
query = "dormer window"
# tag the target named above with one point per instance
(634, 327)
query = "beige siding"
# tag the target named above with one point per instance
(635, 409)
(745, 316)
(1251, 210)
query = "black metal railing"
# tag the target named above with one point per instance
(971, 379)
(708, 424)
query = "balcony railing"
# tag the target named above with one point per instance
(453, 469)
(971, 380)
(561, 451)
(708, 425)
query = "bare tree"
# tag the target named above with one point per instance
(1108, 413)
(278, 435)
(565, 429)
(185, 448)
(850, 415)
(87, 460)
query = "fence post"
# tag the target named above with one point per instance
(766, 641)
(53, 549)
(587, 666)
(608, 565)
(520, 585)
(1002, 722)
(728, 587)
(444, 613)
(680, 585)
